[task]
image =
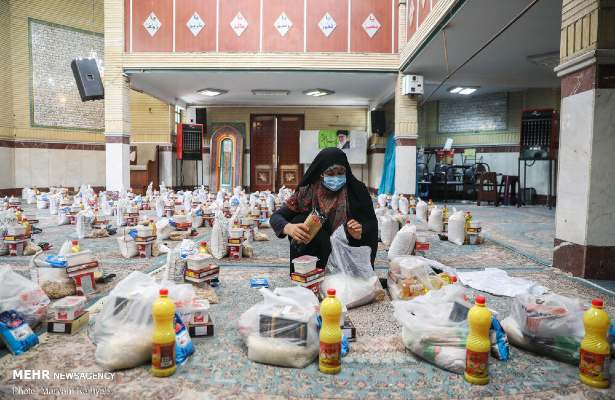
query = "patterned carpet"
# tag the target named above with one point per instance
(378, 366)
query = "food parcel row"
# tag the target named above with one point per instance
(445, 316)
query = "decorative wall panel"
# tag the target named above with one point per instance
(55, 100)
(474, 114)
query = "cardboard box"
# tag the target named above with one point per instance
(349, 330)
(285, 324)
(85, 284)
(67, 309)
(202, 276)
(68, 327)
(309, 277)
(201, 330)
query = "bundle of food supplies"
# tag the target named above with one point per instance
(435, 328)
(123, 330)
(548, 324)
(282, 329)
(412, 276)
(22, 295)
(349, 271)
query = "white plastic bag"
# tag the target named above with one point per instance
(83, 226)
(128, 246)
(54, 201)
(350, 273)
(382, 200)
(293, 345)
(23, 295)
(395, 202)
(122, 331)
(421, 211)
(418, 273)
(160, 207)
(218, 240)
(403, 243)
(163, 228)
(404, 206)
(389, 229)
(435, 223)
(428, 332)
(549, 324)
(62, 217)
(456, 228)
(497, 281)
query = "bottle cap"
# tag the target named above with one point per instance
(453, 279)
(74, 242)
(164, 292)
(480, 300)
(331, 292)
(203, 243)
(597, 303)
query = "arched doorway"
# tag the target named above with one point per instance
(226, 161)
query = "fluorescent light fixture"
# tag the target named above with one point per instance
(210, 92)
(270, 92)
(318, 92)
(467, 91)
(463, 90)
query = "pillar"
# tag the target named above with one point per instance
(406, 126)
(406, 114)
(585, 216)
(117, 104)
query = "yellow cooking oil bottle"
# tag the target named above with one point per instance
(330, 357)
(163, 341)
(478, 344)
(595, 357)
(74, 246)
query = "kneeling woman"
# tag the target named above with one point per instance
(329, 187)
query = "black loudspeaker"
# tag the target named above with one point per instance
(201, 116)
(88, 79)
(378, 122)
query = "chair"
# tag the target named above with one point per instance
(487, 188)
(509, 187)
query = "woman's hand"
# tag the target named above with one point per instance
(299, 232)
(355, 229)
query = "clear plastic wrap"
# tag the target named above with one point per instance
(456, 228)
(350, 273)
(54, 281)
(127, 245)
(22, 295)
(435, 222)
(412, 276)
(388, 229)
(550, 324)
(421, 211)
(428, 332)
(282, 329)
(83, 226)
(122, 331)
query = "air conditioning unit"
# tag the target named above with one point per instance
(412, 84)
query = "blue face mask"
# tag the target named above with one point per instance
(334, 183)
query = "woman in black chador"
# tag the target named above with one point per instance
(329, 187)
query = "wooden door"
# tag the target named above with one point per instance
(262, 145)
(289, 170)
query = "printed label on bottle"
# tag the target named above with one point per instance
(594, 365)
(163, 355)
(330, 354)
(477, 363)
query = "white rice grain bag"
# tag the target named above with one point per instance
(395, 202)
(456, 228)
(389, 228)
(421, 211)
(217, 245)
(435, 222)
(403, 243)
(404, 206)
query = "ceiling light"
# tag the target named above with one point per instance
(467, 91)
(318, 92)
(209, 92)
(463, 90)
(270, 92)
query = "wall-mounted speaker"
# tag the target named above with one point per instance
(88, 79)
(378, 122)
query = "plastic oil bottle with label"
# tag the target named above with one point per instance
(74, 246)
(478, 344)
(595, 357)
(330, 357)
(163, 341)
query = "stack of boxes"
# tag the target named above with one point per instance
(199, 322)
(307, 274)
(145, 239)
(68, 315)
(235, 246)
(16, 239)
(82, 268)
(200, 269)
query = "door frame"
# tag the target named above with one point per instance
(219, 133)
(275, 158)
